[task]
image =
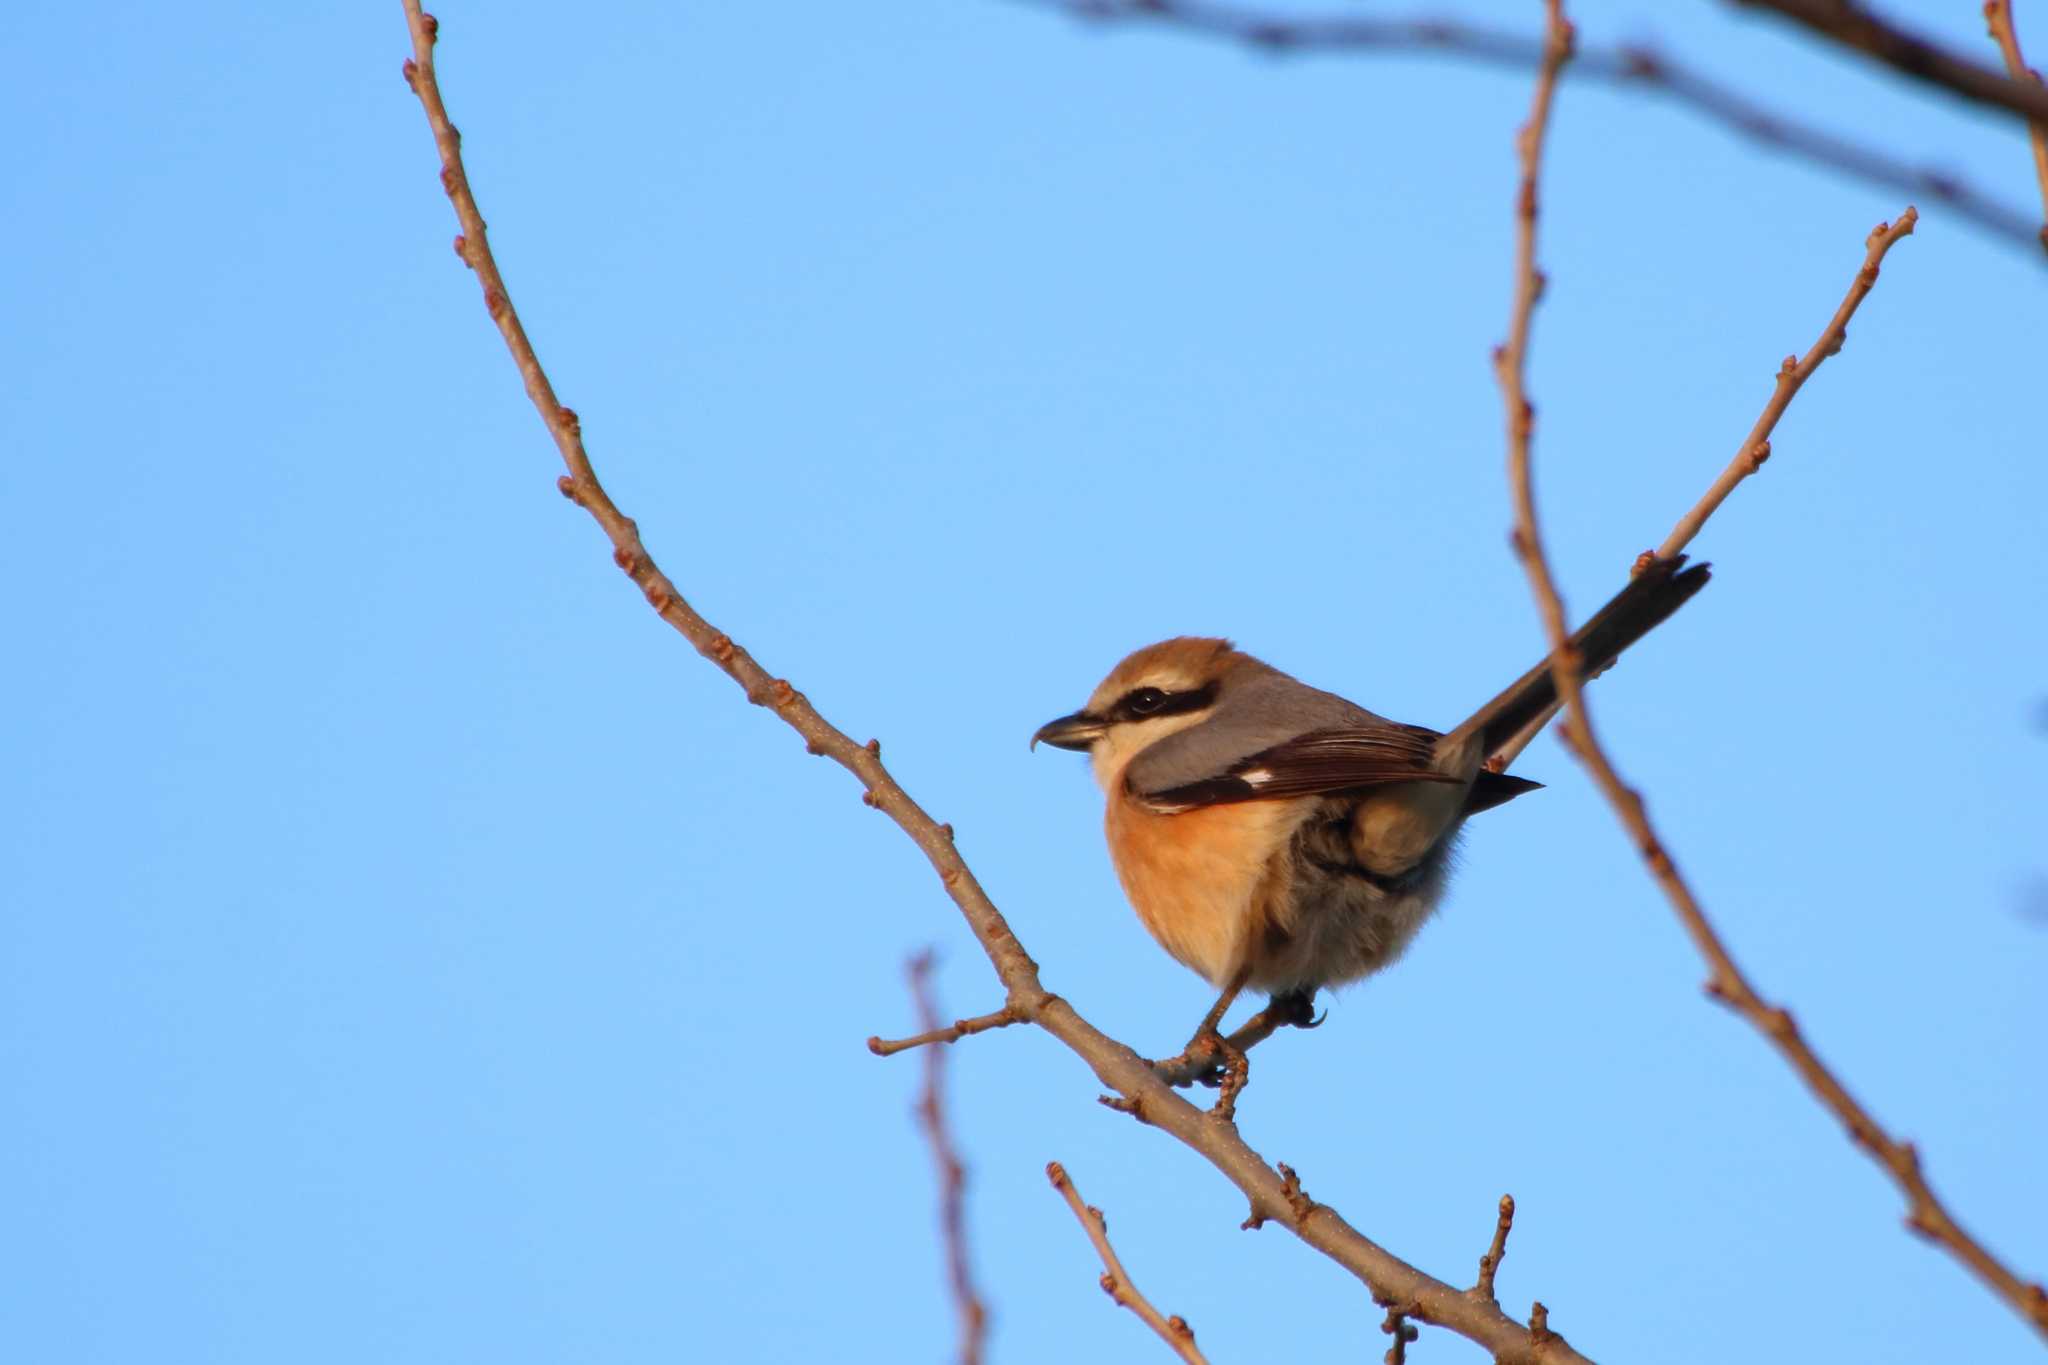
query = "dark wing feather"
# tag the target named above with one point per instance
(1319, 763)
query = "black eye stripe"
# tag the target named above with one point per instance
(1150, 703)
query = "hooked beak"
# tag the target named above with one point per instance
(1077, 731)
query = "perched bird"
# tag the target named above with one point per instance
(1275, 836)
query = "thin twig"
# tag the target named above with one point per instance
(931, 1115)
(1489, 1264)
(1396, 1325)
(1852, 26)
(1756, 447)
(1998, 16)
(1792, 376)
(1116, 1065)
(1925, 1213)
(951, 1033)
(1116, 1281)
(1500, 759)
(1631, 66)
(1510, 359)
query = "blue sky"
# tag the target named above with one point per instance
(413, 952)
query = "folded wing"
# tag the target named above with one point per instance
(1319, 763)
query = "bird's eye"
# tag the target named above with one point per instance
(1145, 701)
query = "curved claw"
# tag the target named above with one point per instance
(1295, 1007)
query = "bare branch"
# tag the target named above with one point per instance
(1998, 16)
(1500, 759)
(1397, 1326)
(1118, 1067)
(1489, 1264)
(1626, 66)
(1854, 27)
(952, 1033)
(1510, 359)
(931, 1115)
(1925, 1213)
(1792, 376)
(1116, 1282)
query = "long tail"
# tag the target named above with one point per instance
(1636, 610)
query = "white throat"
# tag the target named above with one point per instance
(1111, 754)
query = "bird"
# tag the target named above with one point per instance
(1277, 837)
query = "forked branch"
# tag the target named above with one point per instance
(1998, 17)
(1727, 983)
(1114, 1064)
(1851, 25)
(1630, 66)
(952, 1173)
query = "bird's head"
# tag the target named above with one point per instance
(1158, 691)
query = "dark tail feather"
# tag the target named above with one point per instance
(1492, 789)
(1636, 610)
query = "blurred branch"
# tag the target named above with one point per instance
(931, 1115)
(1856, 28)
(1116, 1281)
(1628, 66)
(1141, 1093)
(1792, 376)
(1925, 1213)
(1998, 16)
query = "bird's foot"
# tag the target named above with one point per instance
(1297, 1008)
(1213, 1060)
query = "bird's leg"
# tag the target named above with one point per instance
(1209, 1057)
(1214, 1017)
(1288, 1009)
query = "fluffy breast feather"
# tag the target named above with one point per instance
(1199, 879)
